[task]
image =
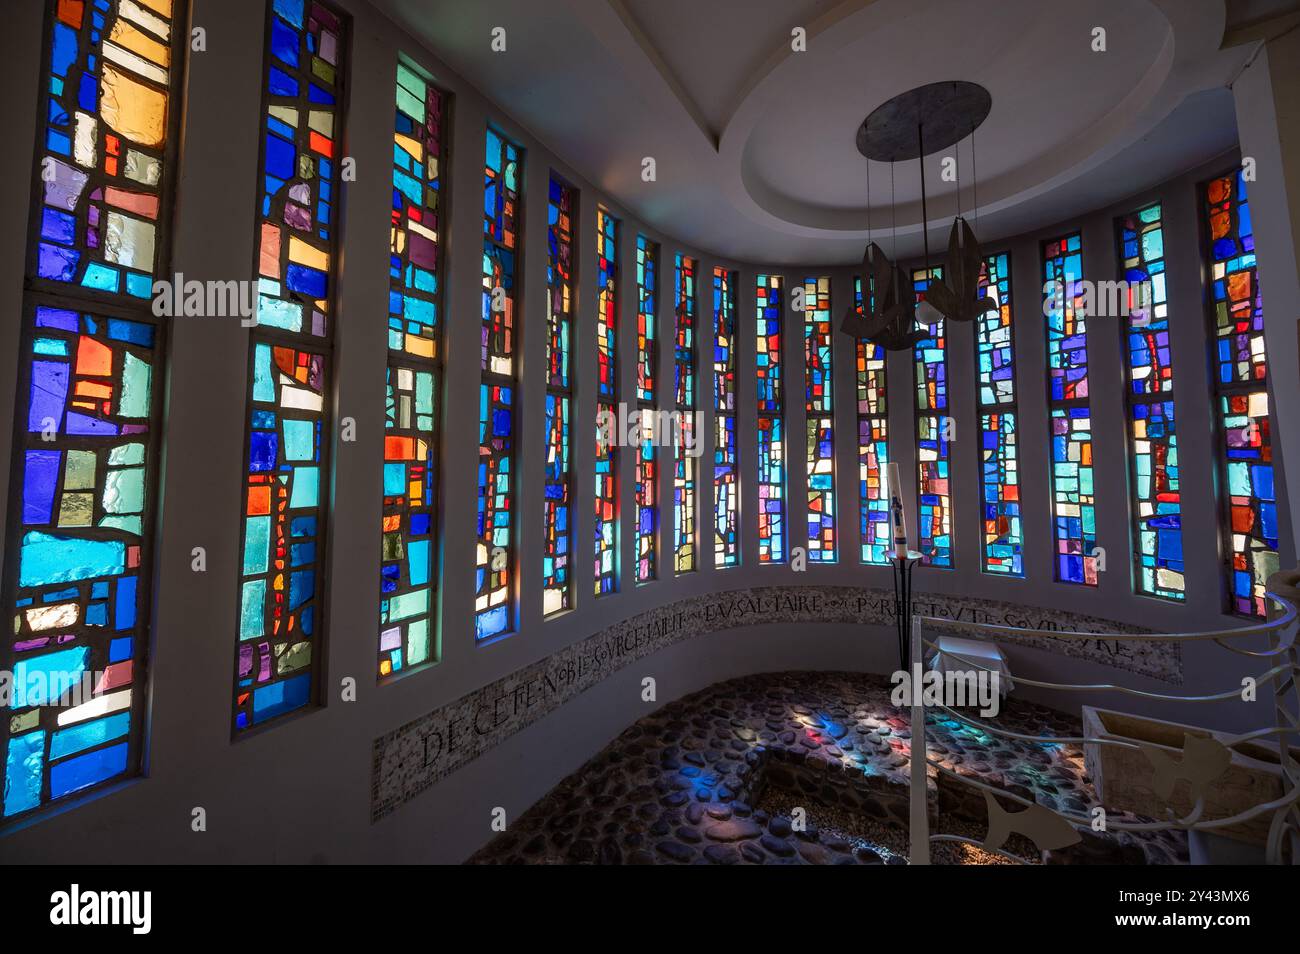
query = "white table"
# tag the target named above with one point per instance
(986, 655)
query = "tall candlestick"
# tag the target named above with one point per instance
(899, 518)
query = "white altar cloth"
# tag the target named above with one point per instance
(986, 655)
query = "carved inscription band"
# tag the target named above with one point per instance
(413, 757)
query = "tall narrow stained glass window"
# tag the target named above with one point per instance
(726, 505)
(685, 538)
(995, 372)
(933, 447)
(1240, 367)
(88, 418)
(286, 492)
(820, 405)
(647, 367)
(769, 331)
(1073, 507)
(607, 393)
(873, 444)
(1155, 504)
(502, 225)
(412, 417)
(557, 530)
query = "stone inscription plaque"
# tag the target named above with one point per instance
(413, 757)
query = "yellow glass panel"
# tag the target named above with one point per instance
(129, 37)
(136, 64)
(133, 109)
(304, 254)
(141, 17)
(322, 122)
(419, 346)
(286, 114)
(322, 69)
(76, 510)
(162, 6)
(412, 146)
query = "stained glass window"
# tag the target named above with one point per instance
(647, 366)
(1073, 507)
(873, 445)
(995, 370)
(647, 321)
(607, 407)
(770, 326)
(1250, 533)
(286, 493)
(408, 584)
(108, 119)
(1155, 506)
(726, 506)
(684, 372)
(557, 528)
(415, 277)
(88, 418)
(933, 450)
(80, 603)
(502, 221)
(819, 402)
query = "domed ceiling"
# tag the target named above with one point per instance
(754, 142)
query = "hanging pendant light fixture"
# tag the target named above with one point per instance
(926, 313)
(887, 315)
(916, 124)
(957, 294)
(877, 278)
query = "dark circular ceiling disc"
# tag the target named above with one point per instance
(945, 112)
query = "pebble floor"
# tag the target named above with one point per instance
(715, 777)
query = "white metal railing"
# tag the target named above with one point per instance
(1283, 593)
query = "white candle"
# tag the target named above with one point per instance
(899, 518)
